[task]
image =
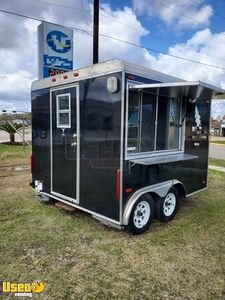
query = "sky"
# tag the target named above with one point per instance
(194, 29)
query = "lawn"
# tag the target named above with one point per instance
(217, 162)
(218, 142)
(14, 155)
(78, 258)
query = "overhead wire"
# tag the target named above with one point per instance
(164, 53)
(180, 13)
(214, 11)
(117, 39)
(63, 6)
(42, 20)
(107, 16)
(135, 29)
(128, 26)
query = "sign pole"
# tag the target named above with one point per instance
(96, 32)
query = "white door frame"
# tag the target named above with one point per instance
(77, 200)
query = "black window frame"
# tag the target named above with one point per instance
(154, 152)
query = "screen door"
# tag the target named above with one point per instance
(65, 143)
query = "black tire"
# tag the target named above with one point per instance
(141, 216)
(164, 212)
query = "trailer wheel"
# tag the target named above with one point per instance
(166, 207)
(141, 215)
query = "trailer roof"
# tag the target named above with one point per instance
(102, 68)
(108, 67)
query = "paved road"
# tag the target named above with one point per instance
(217, 151)
(217, 168)
(217, 138)
(4, 137)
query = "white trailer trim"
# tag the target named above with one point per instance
(94, 214)
(77, 200)
(161, 189)
(177, 84)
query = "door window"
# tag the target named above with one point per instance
(63, 111)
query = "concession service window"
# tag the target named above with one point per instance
(155, 121)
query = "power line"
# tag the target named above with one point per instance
(215, 12)
(108, 16)
(119, 40)
(105, 16)
(160, 52)
(41, 20)
(63, 6)
(131, 27)
(178, 12)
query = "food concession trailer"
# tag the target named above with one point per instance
(121, 142)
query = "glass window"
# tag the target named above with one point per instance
(63, 113)
(133, 122)
(147, 122)
(174, 124)
(168, 123)
(64, 119)
(63, 102)
(149, 115)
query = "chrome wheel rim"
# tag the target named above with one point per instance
(141, 214)
(169, 204)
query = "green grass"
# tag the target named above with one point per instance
(11, 155)
(78, 258)
(217, 162)
(218, 142)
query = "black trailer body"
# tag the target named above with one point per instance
(110, 134)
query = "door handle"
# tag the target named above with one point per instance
(74, 144)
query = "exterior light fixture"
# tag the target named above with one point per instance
(112, 85)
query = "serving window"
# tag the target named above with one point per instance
(154, 122)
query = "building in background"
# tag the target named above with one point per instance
(217, 126)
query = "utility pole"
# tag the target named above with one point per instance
(96, 32)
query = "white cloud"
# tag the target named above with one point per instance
(18, 54)
(18, 51)
(176, 14)
(21, 79)
(18, 45)
(201, 47)
(133, 32)
(218, 109)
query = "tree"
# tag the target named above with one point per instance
(11, 129)
(6, 117)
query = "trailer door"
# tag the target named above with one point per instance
(65, 143)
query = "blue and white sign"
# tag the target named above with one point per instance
(55, 47)
(59, 41)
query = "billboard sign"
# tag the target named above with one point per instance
(55, 49)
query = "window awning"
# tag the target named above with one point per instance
(182, 89)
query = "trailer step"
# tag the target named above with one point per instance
(65, 206)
